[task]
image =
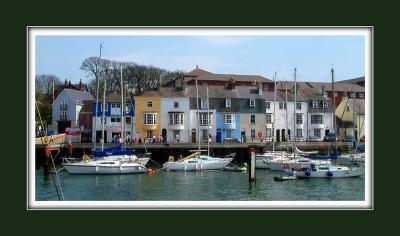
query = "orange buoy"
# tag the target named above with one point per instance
(150, 171)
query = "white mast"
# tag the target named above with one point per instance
(287, 126)
(97, 102)
(103, 111)
(334, 107)
(122, 112)
(273, 123)
(198, 115)
(208, 123)
(294, 111)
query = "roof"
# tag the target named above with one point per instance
(77, 96)
(355, 80)
(338, 86)
(206, 75)
(358, 105)
(304, 92)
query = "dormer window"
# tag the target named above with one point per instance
(282, 106)
(361, 95)
(252, 103)
(176, 104)
(314, 104)
(149, 104)
(325, 104)
(267, 105)
(228, 102)
(203, 103)
(298, 106)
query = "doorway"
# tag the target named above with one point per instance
(193, 135)
(164, 135)
(243, 136)
(278, 137)
(218, 138)
(283, 135)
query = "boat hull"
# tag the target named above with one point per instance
(125, 168)
(325, 174)
(193, 165)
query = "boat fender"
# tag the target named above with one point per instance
(286, 166)
(330, 174)
(308, 173)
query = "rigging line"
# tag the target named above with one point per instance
(58, 180)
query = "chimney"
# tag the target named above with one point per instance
(69, 83)
(323, 90)
(66, 83)
(259, 87)
(80, 85)
(197, 66)
(231, 84)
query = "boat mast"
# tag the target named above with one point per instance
(273, 123)
(208, 123)
(198, 115)
(122, 112)
(103, 118)
(97, 102)
(294, 112)
(287, 125)
(334, 107)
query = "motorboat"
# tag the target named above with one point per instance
(197, 162)
(349, 158)
(118, 154)
(236, 168)
(263, 160)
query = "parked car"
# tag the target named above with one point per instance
(362, 139)
(348, 138)
(331, 137)
(313, 139)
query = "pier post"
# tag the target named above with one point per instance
(252, 167)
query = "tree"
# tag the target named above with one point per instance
(44, 83)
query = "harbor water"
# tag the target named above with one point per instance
(196, 186)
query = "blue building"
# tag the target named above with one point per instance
(228, 126)
(113, 121)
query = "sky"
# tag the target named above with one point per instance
(313, 56)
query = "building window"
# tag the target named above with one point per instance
(269, 119)
(361, 95)
(176, 104)
(268, 134)
(352, 94)
(63, 115)
(228, 133)
(115, 119)
(299, 119)
(299, 133)
(228, 119)
(205, 119)
(64, 105)
(115, 105)
(150, 118)
(102, 107)
(252, 119)
(149, 134)
(150, 104)
(268, 105)
(325, 104)
(317, 133)
(252, 102)
(205, 134)
(253, 133)
(282, 105)
(128, 120)
(176, 118)
(298, 106)
(316, 119)
(228, 102)
(314, 104)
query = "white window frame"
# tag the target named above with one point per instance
(203, 103)
(102, 107)
(268, 119)
(317, 133)
(325, 104)
(299, 117)
(314, 119)
(252, 102)
(268, 133)
(253, 133)
(203, 118)
(298, 105)
(314, 104)
(152, 117)
(149, 133)
(176, 104)
(64, 115)
(228, 102)
(267, 105)
(150, 104)
(228, 133)
(176, 118)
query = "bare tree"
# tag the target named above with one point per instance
(44, 83)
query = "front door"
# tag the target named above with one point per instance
(278, 137)
(164, 135)
(243, 136)
(283, 135)
(218, 138)
(193, 136)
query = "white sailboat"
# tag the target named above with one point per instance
(197, 161)
(120, 162)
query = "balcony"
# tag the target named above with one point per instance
(318, 125)
(176, 126)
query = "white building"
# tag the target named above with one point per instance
(66, 108)
(207, 124)
(175, 119)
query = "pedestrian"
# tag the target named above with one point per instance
(177, 138)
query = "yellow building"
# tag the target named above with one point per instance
(348, 111)
(147, 115)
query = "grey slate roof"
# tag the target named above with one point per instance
(351, 81)
(78, 96)
(205, 75)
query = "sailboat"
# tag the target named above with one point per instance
(197, 161)
(106, 161)
(326, 170)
